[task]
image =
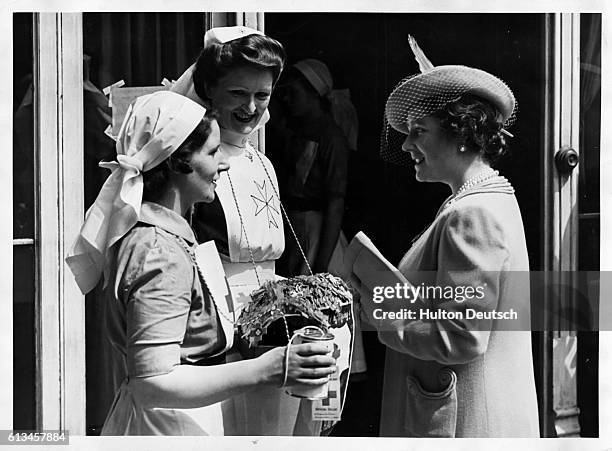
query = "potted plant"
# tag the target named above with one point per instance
(280, 307)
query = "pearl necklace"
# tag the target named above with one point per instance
(482, 176)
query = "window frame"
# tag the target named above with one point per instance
(60, 306)
(560, 222)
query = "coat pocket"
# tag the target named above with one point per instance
(431, 414)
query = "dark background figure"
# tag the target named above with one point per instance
(312, 165)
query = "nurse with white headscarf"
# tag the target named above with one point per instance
(163, 321)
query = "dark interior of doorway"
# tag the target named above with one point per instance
(24, 255)
(369, 54)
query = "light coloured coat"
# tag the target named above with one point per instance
(465, 378)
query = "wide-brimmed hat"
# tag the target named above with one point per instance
(423, 94)
(317, 74)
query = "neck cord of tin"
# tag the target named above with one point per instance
(290, 337)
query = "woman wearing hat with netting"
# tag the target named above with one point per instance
(451, 375)
(163, 321)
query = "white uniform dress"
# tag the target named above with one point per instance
(248, 194)
(254, 227)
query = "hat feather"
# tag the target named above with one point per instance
(424, 63)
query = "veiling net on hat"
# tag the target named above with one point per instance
(423, 94)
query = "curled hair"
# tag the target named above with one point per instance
(218, 60)
(156, 180)
(476, 124)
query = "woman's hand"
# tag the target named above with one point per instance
(308, 364)
(189, 386)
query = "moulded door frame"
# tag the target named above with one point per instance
(560, 225)
(60, 306)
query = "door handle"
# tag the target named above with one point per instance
(566, 159)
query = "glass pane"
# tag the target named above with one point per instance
(24, 355)
(590, 113)
(23, 129)
(24, 346)
(588, 243)
(589, 208)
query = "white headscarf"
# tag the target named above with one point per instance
(155, 125)
(220, 35)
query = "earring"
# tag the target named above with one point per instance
(462, 149)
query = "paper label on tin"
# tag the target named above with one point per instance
(329, 408)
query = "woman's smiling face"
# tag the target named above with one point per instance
(206, 163)
(241, 97)
(433, 150)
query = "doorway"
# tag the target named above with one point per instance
(368, 54)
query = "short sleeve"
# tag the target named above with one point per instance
(156, 289)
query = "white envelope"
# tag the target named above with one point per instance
(210, 265)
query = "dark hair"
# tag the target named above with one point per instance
(218, 60)
(156, 179)
(476, 124)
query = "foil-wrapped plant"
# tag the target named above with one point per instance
(319, 299)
